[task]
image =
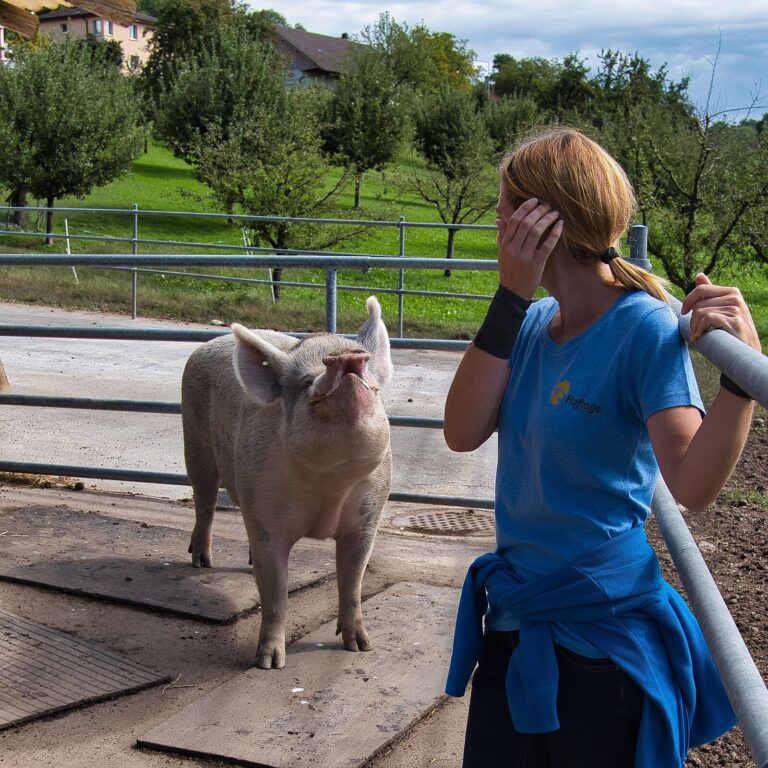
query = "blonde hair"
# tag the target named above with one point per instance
(577, 177)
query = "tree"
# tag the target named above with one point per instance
(422, 60)
(213, 88)
(365, 118)
(700, 181)
(713, 190)
(507, 117)
(272, 164)
(459, 180)
(68, 122)
(184, 27)
(556, 87)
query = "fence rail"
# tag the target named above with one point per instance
(748, 368)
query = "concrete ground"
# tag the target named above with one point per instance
(200, 656)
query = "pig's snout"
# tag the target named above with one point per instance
(350, 367)
(347, 362)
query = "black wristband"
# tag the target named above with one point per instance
(498, 333)
(733, 387)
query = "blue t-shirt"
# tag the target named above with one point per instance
(575, 462)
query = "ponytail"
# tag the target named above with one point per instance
(634, 278)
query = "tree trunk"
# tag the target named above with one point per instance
(230, 210)
(358, 183)
(449, 250)
(18, 198)
(49, 221)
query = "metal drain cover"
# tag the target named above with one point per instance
(446, 521)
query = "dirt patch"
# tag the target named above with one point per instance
(733, 537)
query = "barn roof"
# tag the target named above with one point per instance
(327, 52)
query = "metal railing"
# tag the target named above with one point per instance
(134, 241)
(748, 368)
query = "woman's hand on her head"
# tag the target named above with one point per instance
(526, 240)
(723, 307)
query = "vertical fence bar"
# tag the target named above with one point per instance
(742, 680)
(134, 251)
(638, 246)
(401, 283)
(330, 300)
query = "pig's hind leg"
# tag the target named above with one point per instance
(205, 490)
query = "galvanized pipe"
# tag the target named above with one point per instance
(363, 262)
(250, 217)
(134, 251)
(161, 406)
(330, 300)
(744, 365)
(127, 333)
(173, 478)
(743, 682)
(401, 281)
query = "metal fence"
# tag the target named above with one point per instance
(748, 368)
(133, 243)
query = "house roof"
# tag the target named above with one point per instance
(67, 13)
(327, 52)
(19, 14)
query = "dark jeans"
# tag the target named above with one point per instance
(598, 707)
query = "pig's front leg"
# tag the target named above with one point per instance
(270, 567)
(353, 548)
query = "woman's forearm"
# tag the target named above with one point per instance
(474, 399)
(704, 466)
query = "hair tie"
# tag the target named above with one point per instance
(609, 255)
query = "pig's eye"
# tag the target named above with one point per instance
(306, 382)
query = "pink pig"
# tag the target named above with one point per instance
(297, 434)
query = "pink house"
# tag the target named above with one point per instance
(134, 38)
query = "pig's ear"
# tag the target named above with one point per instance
(258, 364)
(374, 337)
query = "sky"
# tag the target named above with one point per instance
(683, 34)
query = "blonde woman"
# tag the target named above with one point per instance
(585, 656)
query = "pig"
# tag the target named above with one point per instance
(297, 434)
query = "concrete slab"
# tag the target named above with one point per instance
(46, 671)
(328, 707)
(140, 564)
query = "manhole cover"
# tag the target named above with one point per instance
(447, 522)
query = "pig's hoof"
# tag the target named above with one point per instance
(357, 641)
(270, 658)
(201, 559)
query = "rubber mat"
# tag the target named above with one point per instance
(328, 707)
(45, 671)
(129, 562)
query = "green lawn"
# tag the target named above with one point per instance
(158, 181)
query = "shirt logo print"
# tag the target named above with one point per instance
(560, 391)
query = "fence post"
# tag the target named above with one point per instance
(401, 284)
(4, 383)
(638, 246)
(330, 300)
(134, 251)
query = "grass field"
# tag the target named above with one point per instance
(160, 182)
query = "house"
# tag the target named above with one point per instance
(134, 37)
(312, 59)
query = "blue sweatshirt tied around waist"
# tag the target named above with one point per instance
(614, 598)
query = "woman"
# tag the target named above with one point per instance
(588, 657)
